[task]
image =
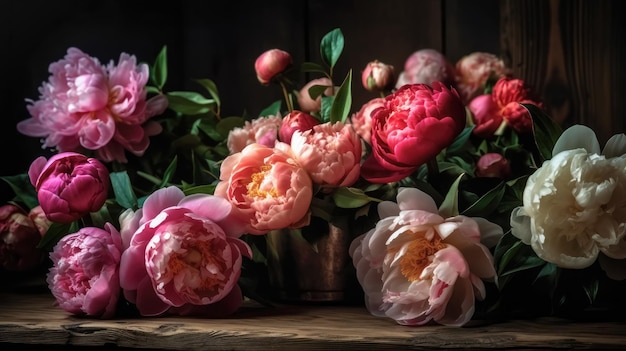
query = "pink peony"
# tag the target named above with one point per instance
(268, 187)
(486, 116)
(493, 165)
(473, 72)
(331, 153)
(183, 254)
(18, 240)
(378, 76)
(262, 130)
(362, 120)
(41, 222)
(85, 105)
(426, 66)
(416, 266)
(69, 185)
(306, 102)
(271, 63)
(84, 277)
(416, 123)
(295, 121)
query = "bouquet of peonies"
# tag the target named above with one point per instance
(462, 198)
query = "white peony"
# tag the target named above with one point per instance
(575, 204)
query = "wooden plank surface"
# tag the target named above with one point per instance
(33, 319)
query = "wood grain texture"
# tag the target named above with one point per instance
(32, 319)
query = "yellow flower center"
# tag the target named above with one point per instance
(257, 186)
(419, 256)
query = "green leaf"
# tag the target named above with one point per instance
(169, 172)
(159, 70)
(460, 141)
(189, 102)
(450, 205)
(342, 103)
(200, 189)
(225, 125)
(331, 47)
(211, 87)
(313, 67)
(123, 190)
(317, 90)
(487, 203)
(545, 130)
(271, 110)
(24, 191)
(55, 232)
(346, 197)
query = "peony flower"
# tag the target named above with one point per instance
(84, 277)
(295, 121)
(306, 102)
(41, 222)
(262, 130)
(493, 165)
(415, 124)
(575, 203)
(18, 240)
(271, 63)
(426, 66)
(69, 185)
(486, 116)
(268, 187)
(85, 105)
(378, 76)
(330, 152)
(183, 253)
(362, 120)
(474, 71)
(416, 266)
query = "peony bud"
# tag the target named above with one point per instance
(378, 76)
(18, 240)
(486, 116)
(41, 222)
(308, 104)
(271, 63)
(69, 185)
(493, 165)
(295, 120)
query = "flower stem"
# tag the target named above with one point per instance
(286, 94)
(433, 169)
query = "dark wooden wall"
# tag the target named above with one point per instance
(570, 50)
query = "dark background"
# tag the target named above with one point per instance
(572, 52)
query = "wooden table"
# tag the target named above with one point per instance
(32, 319)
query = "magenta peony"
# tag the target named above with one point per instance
(184, 254)
(268, 187)
(262, 130)
(415, 124)
(85, 105)
(295, 121)
(378, 76)
(426, 66)
(69, 185)
(330, 152)
(19, 238)
(271, 63)
(84, 277)
(306, 102)
(416, 266)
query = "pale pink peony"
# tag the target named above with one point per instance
(308, 104)
(362, 120)
(268, 187)
(69, 185)
(261, 130)
(474, 71)
(271, 63)
(378, 76)
(330, 152)
(84, 277)
(85, 105)
(295, 121)
(18, 240)
(183, 254)
(416, 266)
(426, 66)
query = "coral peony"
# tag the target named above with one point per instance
(261, 130)
(426, 66)
(271, 63)
(268, 187)
(378, 76)
(330, 152)
(474, 71)
(295, 121)
(19, 238)
(415, 124)
(416, 266)
(306, 102)
(84, 277)
(362, 120)
(183, 252)
(85, 105)
(69, 185)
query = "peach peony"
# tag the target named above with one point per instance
(261, 130)
(362, 120)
